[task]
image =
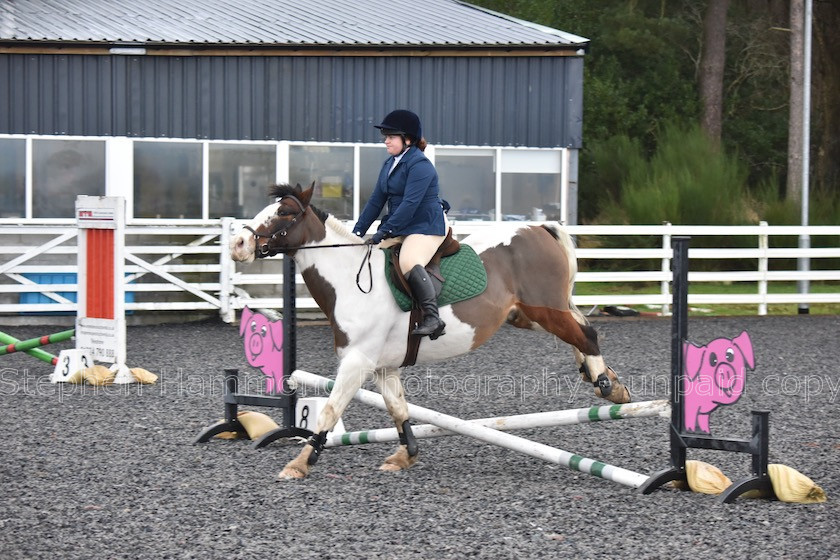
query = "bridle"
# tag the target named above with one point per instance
(263, 250)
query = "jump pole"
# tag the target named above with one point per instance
(568, 417)
(31, 346)
(488, 435)
(28, 345)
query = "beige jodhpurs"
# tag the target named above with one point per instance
(418, 248)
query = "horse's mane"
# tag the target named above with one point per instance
(285, 189)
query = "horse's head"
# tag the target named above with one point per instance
(287, 223)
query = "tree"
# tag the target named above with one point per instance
(655, 62)
(826, 105)
(712, 64)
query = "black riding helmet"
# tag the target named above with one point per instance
(402, 122)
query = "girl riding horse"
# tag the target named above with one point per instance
(408, 183)
(530, 276)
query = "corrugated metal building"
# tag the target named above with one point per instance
(298, 71)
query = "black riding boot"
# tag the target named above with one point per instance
(424, 293)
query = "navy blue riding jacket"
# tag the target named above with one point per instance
(413, 197)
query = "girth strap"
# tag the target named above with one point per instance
(412, 345)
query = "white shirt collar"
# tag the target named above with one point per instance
(397, 160)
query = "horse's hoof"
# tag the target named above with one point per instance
(620, 394)
(609, 387)
(399, 461)
(291, 473)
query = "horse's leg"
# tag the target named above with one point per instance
(353, 371)
(572, 327)
(390, 385)
(593, 368)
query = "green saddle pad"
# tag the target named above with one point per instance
(463, 273)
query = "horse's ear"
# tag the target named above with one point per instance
(306, 195)
(298, 188)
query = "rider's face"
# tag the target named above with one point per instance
(394, 144)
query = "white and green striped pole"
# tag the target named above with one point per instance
(488, 435)
(516, 422)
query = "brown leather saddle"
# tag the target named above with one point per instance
(450, 246)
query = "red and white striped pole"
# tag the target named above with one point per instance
(100, 320)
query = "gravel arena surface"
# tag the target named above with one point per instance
(108, 473)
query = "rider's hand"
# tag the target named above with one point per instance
(376, 239)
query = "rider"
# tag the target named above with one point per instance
(408, 182)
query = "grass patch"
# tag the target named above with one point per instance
(609, 288)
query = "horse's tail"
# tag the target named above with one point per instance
(567, 245)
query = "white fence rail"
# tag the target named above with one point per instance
(183, 265)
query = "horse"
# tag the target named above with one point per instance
(530, 277)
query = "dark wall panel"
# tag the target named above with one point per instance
(519, 101)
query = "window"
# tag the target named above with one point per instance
(331, 168)
(370, 163)
(531, 185)
(239, 179)
(62, 169)
(172, 179)
(468, 182)
(12, 178)
(167, 180)
(531, 196)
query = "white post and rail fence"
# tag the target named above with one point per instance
(183, 266)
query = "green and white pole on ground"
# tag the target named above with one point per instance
(517, 422)
(488, 435)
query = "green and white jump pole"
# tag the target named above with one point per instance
(487, 435)
(516, 422)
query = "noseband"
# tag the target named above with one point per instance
(263, 249)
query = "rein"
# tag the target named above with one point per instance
(263, 250)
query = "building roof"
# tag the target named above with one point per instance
(276, 23)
